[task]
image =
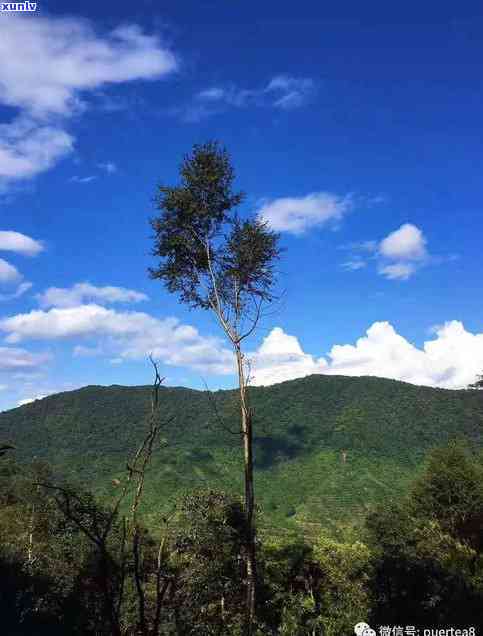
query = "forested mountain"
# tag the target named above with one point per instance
(327, 448)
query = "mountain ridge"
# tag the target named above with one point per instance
(326, 447)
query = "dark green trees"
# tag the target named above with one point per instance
(208, 544)
(451, 491)
(428, 550)
(216, 261)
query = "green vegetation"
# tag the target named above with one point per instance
(67, 566)
(301, 429)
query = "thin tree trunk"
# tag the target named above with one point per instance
(251, 560)
(30, 545)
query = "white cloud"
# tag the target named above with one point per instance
(399, 255)
(406, 244)
(3, 387)
(70, 322)
(56, 61)
(20, 291)
(290, 92)
(8, 273)
(14, 358)
(127, 335)
(85, 292)
(296, 215)
(22, 244)
(282, 92)
(281, 358)
(354, 265)
(109, 166)
(76, 179)
(402, 252)
(28, 148)
(215, 93)
(19, 243)
(452, 359)
(397, 271)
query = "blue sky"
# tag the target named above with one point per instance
(355, 131)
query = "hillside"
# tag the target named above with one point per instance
(302, 427)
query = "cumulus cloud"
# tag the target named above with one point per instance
(405, 244)
(56, 61)
(81, 293)
(298, 214)
(19, 243)
(280, 358)
(126, 335)
(402, 252)
(452, 359)
(399, 255)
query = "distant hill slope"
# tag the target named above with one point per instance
(302, 428)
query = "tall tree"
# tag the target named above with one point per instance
(218, 262)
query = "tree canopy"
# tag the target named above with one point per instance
(207, 254)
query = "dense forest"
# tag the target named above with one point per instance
(326, 447)
(117, 519)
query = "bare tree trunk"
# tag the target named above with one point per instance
(251, 559)
(30, 544)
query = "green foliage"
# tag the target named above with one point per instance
(451, 492)
(415, 565)
(345, 596)
(206, 254)
(300, 478)
(428, 549)
(248, 258)
(192, 214)
(208, 546)
(316, 589)
(41, 557)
